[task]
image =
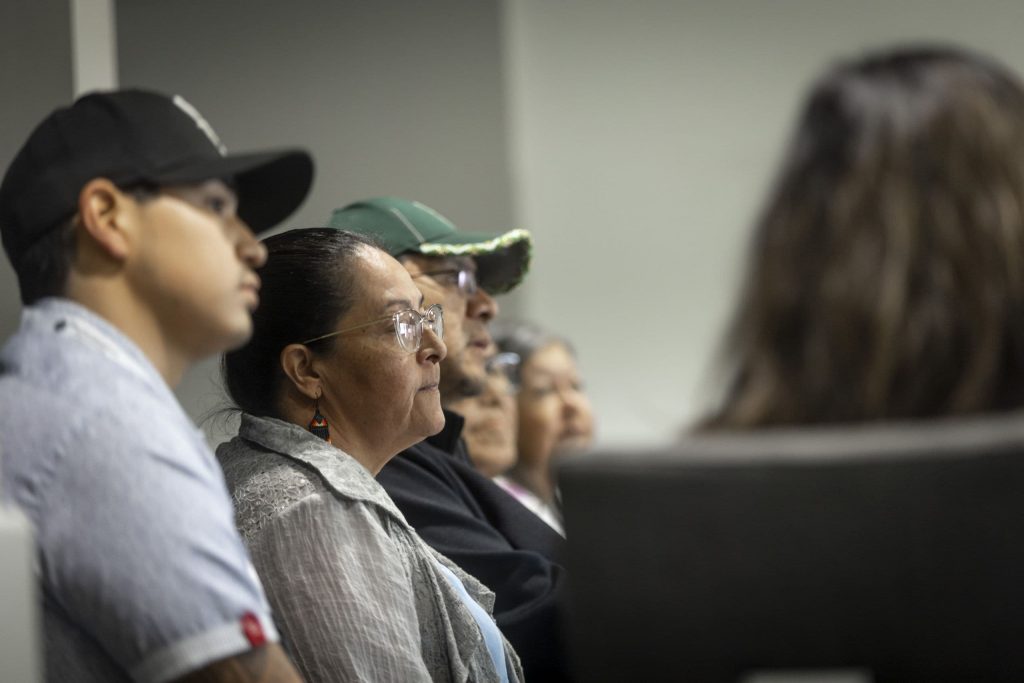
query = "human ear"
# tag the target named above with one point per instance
(104, 212)
(298, 364)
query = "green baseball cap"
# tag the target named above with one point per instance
(401, 227)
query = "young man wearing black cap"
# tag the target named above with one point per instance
(458, 511)
(128, 227)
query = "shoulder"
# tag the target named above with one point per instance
(263, 484)
(96, 446)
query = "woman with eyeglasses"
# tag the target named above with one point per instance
(491, 417)
(342, 374)
(554, 416)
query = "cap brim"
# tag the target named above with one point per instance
(270, 185)
(502, 261)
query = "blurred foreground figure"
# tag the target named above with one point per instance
(834, 520)
(887, 271)
(555, 418)
(130, 231)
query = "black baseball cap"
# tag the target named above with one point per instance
(133, 137)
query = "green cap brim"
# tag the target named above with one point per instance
(502, 260)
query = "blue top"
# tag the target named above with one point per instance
(488, 629)
(142, 571)
(479, 526)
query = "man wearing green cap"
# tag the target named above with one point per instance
(457, 510)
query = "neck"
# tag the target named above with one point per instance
(367, 454)
(536, 478)
(135, 321)
(344, 435)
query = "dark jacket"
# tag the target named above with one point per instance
(474, 522)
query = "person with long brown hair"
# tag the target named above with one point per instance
(886, 278)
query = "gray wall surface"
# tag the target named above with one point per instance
(35, 77)
(634, 139)
(395, 97)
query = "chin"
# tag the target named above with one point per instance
(237, 337)
(208, 341)
(572, 446)
(231, 328)
(437, 423)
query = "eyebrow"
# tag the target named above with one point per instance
(226, 185)
(398, 302)
(449, 263)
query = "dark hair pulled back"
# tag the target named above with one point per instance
(307, 286)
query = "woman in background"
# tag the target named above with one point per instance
(340, 375)
(886, 278)
(555, 417)
(491, 417)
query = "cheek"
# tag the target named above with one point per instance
(367, 379)
(209, 265)
(469, 411)
(587, 414)
(399, 385)
(542, 415)
(454, 336)
(537, 426)
(510, 413)
(509, 426)
(579, 406)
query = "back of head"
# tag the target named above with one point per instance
(887, 270)
(307, 286)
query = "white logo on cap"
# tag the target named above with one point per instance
(201, 123)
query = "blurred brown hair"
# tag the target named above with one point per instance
(886, 276)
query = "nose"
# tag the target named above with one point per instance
(492, 397)
(481, 306)
(432, 348)
(250, 250)
(573, 401)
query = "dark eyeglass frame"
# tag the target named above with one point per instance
(432, 318)
(465, 279)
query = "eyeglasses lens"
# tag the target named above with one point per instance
(408, 330)
(434, 319)
(467, 282)
(409, 326)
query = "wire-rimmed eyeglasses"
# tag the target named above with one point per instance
(505, 365)
(409, 326)
(464, 279)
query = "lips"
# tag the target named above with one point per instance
(253, 296)
(481, 340)
(573, 438)
(252, 283)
